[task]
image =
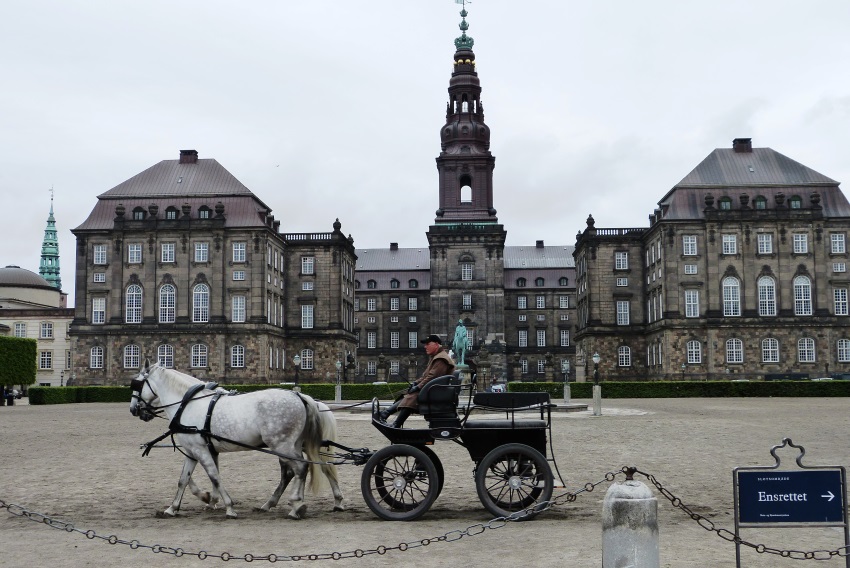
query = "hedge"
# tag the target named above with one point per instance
(18, 360)
(389, 391)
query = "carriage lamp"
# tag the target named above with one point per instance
(297, 361)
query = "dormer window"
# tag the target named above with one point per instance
(371, 284)
(520, 282)
(760, 202)
(725, 204)
(394, 283)
(795, 202)
(413, 283)
(539, 282)
(204, 212)
(138, 214)
(171, 213)
(562, 281)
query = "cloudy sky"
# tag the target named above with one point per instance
(333, 109)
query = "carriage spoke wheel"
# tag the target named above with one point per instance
(399, 483)
(513, 477)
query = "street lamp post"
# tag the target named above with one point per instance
(597, 390)
(297, 361)
(338, 388)
(565, 368)
(61, 378)
(683, 371)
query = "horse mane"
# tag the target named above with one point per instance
(175, 378)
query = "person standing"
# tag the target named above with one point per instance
(439, 364)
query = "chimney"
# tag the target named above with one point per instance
(539, 244)
(393, 246)
(188, 156)
(742, 145)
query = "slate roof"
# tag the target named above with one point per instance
(170, 178)
(532, 256)
(388, 259)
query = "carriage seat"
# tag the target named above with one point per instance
(438, 399)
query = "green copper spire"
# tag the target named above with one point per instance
(48, 268)
(464, 41)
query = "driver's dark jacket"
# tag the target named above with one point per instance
(440, 364)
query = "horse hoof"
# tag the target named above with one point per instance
(262, 509)
(167, 514)
(206, 497)
(339, 508)
(231, 515)
(298, 513)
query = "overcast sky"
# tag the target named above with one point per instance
(333, 109)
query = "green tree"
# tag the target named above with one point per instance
(17, 360)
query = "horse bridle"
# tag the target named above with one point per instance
(147, 411)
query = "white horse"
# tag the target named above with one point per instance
(290, 424)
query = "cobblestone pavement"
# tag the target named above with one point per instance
(81, 463)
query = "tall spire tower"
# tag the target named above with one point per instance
(466, 241)
(48, 268)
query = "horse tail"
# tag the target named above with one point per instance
(313, 440)
(328, 425)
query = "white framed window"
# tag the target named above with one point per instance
(541, 338)
(99, 277)
(237, 356)
(622, 282)
(134, 253)
(20, 329)
(394, 340)
(690, 269)
(563, 302)
(839, 267)
(801, 243)
(565, 317)
(522, 317)
(202, 252)
(623, 312)
(45, 360)
(394, 319)
(467, 301)
(730, 244)
(839, 296)
(308, 265)
(99, 254)
(806, 350)
(133, 304)
(843, 349)
(96, 358)
(371, 304)
(521, 302)
(734, 351)
(522, 338)
(307, 316)
(689, 245)
(802, 296)
(765, 243)
(394, 368)
(167, 252)
(540, 302)
(165, 355)
(356, 304)
(395, 304)
(201, 303)
(541, 317)
(411, 319)
(238, 275)
(767, 296)
(541, 366)
(694, 351)
(412, 341)
(238, 309)
(307, 286)
(565, 337)
(691, 303)
(731, 296)
(624, 356)
(239, 252)
(466, 271)
(837, 243)
(199, 356)
(523, 366)
(371, 368)
(46, 330)
(412, 304)
(131, 356)
(770, 350)
(371, 339)
(621, 260)
(98, 310)
(167, 303)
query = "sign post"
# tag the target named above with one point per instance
(766, 496)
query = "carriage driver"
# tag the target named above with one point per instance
(439, 364)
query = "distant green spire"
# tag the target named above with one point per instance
(48, 268)
(464, 41)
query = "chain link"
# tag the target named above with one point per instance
(451, 536)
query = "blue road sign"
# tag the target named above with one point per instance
(800, 497)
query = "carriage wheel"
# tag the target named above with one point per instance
(513, 477)
(399, 483)
(438, 465)
(385, 492)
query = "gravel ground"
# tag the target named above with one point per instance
(82, 464)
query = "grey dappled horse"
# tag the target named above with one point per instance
(286, 422)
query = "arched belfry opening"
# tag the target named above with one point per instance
(465, 189)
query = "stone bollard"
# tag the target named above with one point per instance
(630, 527)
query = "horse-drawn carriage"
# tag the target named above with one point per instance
(399, 482)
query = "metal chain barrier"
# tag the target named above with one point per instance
(451, 536)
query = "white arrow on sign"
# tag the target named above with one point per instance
(829, 496)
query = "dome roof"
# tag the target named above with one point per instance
(15, 276)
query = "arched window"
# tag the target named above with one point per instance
(767, 296)
(167, 303)
(694, 348)
(204, 212)
(306, 359)
(133, 312)
(520, 282)
(806, 350)
(731, 296)
(413, 283)
(96, 358)
(562, 281)
(131, 356)
(201, 304)
(760, 202)
(394, 283)
(795, 202)
(843, 350)
(139, 214)
(770, 350)
(725, 203)
(539, 282)
(371, 284)
(734, 351)
(802, 296)
(165, 356)
(199, 356)
(624, 356)
(237, 356)
(171, 213)
(465, 189)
